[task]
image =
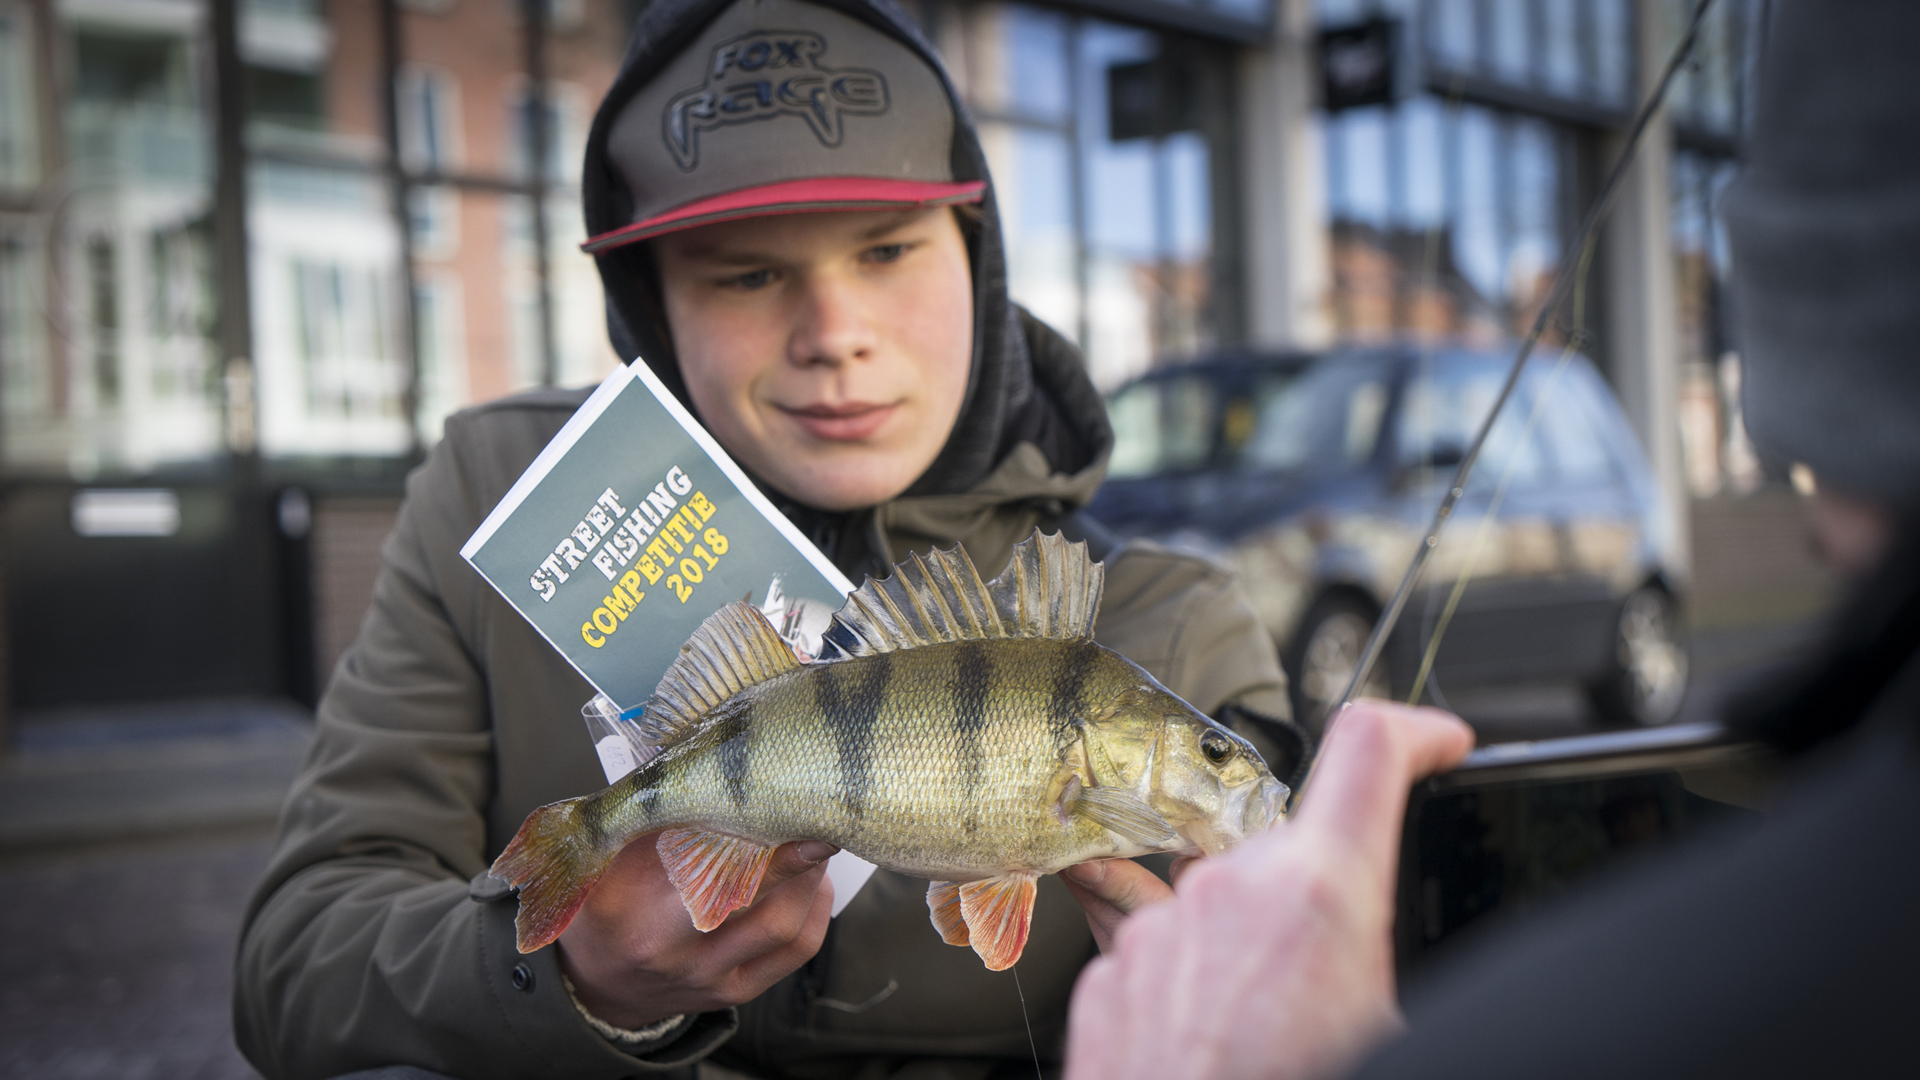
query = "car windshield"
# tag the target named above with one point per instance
(1326, 414)
(1162, 425)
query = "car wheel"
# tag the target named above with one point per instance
(1646, 678)
(1324, 651)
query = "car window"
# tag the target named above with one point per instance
(1328, 414)
(1163, 425)
(1442, 412)
(1567, 425)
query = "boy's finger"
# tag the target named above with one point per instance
(1111, 889)
(793, 859)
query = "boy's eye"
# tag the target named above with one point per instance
(886, 253)
(752, 279)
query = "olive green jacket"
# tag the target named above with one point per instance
(377, 937)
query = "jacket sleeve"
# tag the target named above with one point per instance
(365, 945)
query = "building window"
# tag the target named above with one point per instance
(429, 120)
(102, 269)
(1104, 172)
(1451, 208)
(347, 361)
(22, 321)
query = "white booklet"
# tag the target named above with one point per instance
(627, 531)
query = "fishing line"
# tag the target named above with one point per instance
(1031, 1046)
(1430, 279)
(1563, 280)
(1480, 534)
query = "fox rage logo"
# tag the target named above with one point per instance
(767, 74)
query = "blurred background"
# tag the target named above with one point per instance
(253, 252)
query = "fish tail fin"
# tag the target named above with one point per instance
(553, 866)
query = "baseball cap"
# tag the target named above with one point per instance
(780, 107)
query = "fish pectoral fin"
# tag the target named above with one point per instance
(1125, 813)
(943, 904)
(716, 874)
(998, 913)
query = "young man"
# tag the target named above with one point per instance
(771, 191)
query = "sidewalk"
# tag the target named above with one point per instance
(115, 774)
(130, 839)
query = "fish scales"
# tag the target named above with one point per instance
(891, 754)
(970, 734)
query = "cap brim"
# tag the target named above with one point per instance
(815, 195)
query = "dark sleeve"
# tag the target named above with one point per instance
(1789, 951)
(363, 946)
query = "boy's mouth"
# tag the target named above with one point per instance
(849, 421)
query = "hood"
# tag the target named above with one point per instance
(1004, 405)
(1824, 224)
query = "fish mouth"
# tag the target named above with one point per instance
(1265, 808)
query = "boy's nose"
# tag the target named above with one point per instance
(833, 326)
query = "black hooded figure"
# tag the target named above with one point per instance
(377, 938)
(1790, 950)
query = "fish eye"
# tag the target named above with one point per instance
(1216, 746)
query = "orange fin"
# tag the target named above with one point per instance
(716, 874)
(998, 913)
(943, 902)
(553, 871)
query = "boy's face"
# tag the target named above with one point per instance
(828, 352)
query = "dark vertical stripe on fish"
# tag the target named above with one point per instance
(1065, 708)
(735, 734)
(972, 681)
(650, 804)
(850, 694)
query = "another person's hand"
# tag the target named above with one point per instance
(634, 957)
(1274, 960)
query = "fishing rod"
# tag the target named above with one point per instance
(1571, 268)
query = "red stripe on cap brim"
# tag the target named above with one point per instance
(817, 195)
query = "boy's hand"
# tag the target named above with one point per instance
(634, 957)
(1112, 889)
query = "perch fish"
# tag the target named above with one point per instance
(971, 734)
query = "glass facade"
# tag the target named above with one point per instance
(1711, 103)
(1450, 208)
(412, 222)
(1106, 143)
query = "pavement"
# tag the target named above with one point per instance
(131, 838)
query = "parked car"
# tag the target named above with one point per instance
(1315, 477)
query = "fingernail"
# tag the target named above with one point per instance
(1086, 873)
(816, 850)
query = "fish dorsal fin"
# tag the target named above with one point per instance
(734, 649)
(1050, 589)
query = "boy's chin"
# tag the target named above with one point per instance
(842, 482)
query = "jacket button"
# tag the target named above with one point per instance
(523, 978)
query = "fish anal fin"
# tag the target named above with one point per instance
(943, 904)
(716, 874)
(1125, 813)
(998, 913)
(736, 647)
